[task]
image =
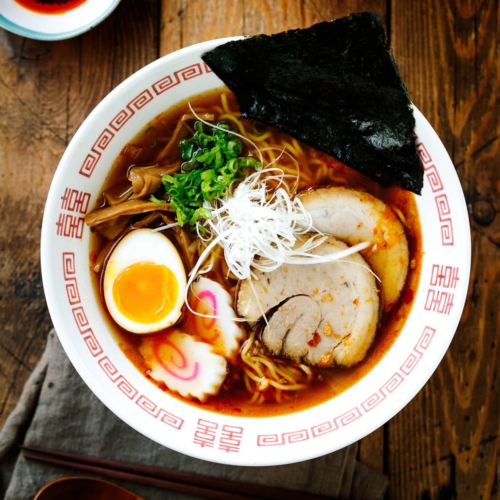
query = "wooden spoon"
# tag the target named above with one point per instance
(84, 488)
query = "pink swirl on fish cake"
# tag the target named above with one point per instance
(162, 340)
(205, 326)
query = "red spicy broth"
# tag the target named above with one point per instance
(50, 6)
(317, 169)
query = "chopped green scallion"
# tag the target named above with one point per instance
(211, 164)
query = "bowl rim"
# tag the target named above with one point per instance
(100, 392)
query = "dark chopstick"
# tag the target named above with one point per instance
(183, 482)
(137, 478)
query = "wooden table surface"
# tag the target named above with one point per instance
(444, 443)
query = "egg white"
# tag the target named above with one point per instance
(144, 245)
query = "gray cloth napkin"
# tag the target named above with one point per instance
(58, 411)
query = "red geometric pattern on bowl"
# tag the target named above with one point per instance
(92, 344)
(444, 213)
(207, 435)
(230, 439)
(70, 279)
(97, 352)
(432, 174)
(138, 102)
(83, 326)
(442, 204)
(441, 292)
(324, 428)
(157, 412)
(75, 201)
(80, 318)
(70, 222)
(284, 438)
(356, 412)
(120, 381)
(99, 146)
(177, 77)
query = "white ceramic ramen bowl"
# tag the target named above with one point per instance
(84, 333)
(25, 22)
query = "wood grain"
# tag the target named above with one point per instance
(186, 22)
(46, 91)
(444, 444)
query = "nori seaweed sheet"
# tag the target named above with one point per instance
(336, 87)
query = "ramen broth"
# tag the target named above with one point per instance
(316, 169)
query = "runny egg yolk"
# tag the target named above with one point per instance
(145, 292)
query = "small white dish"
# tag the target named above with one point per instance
(189, 429)
(28, 23)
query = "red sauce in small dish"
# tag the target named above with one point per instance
(50, 6)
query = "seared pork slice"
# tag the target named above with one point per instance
(292, 325)
(327, 313)
(354, 216)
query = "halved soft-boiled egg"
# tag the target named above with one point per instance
(144, 282)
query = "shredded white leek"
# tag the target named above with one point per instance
(165, 227)
(258, 228)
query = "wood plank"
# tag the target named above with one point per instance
(33, 137)
(186, 22)
(444, 444)
(43, 102)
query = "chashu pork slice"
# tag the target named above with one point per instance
(318, 314)
(354, 216)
